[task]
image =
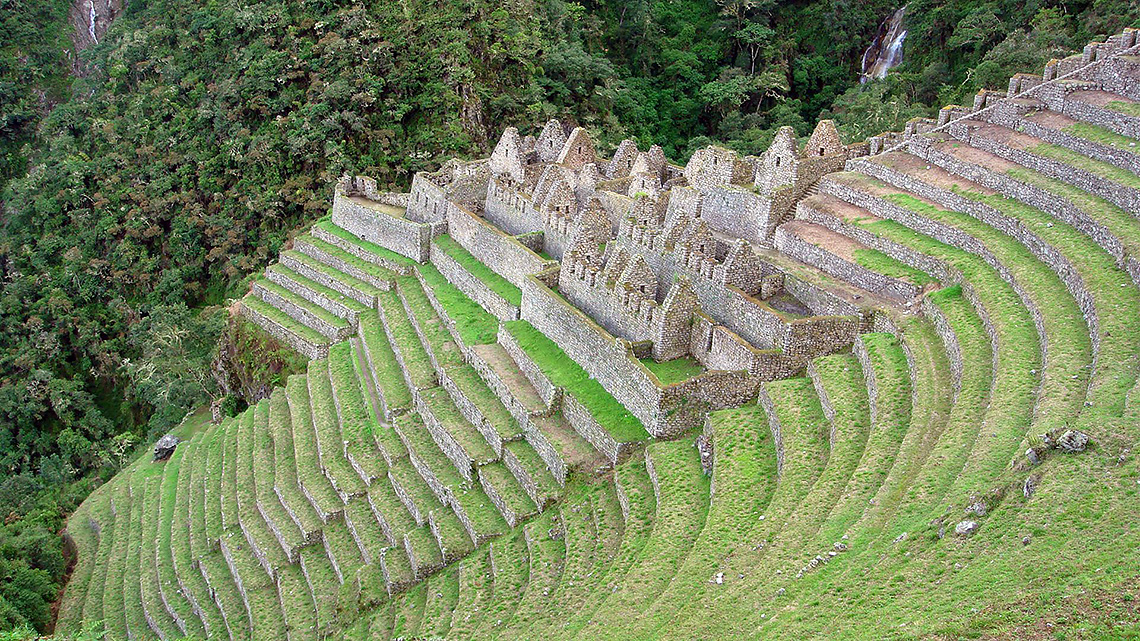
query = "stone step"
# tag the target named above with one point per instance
(344, 262)
(390, 388)
(1114, 112)
(306, 341)
(285, 477)
(326, 230)
(840, 256)
(505, 491)
(311, 477)
(357, 424)
(478, 282)
(459, 439)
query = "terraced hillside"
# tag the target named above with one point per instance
(528, 413)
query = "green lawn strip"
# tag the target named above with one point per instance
(476, 326)
(674, 371)
(225, 593)
(322, 585)
(342, 548)
(86, 542)
(563, 372)
(497, 476)
(476, 268)
(1098, 168)
(133, 606)
(316, 486)
(421, 544)
(265, 610)
(633, 479)
(403, 339)
(877, 261)
(409, 612)
(442, 595)
(99, 511)
(381, 624)
(462, 431)
(303, 303)
(363, 287)
(184, 548)
(114, 619)
(476, 591)
(398, 566)
(384, 502)
(452, 538)
(432, 330)
(220, 507)
(547, 555)
(362, 522)
(382, 253)
(385, 368)
(404, 476)
(168, 547)
(474, 503)
(328, 292)
(510, 558)
(147, 580)
(893, 403)
(357, 423)
(534, 467)
(1121, 224)
(423, 448)
(297, 603)
(681, 514)
(372, 269)
(264, 475)
(326, 426)
(279, 317)
(285, 478)
(253, 524)
(1120, 106)
(475, 389)
(745, 480)
(1098, 134)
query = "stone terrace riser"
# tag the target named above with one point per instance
(1122, 124)
(1034, 197)
(1124, 158)
(301, 315)
(336, 263)
(472, 287)
(339, 286)
(1045, 252)
(1124, 197)
(334, 307)
(773, 426)
(791, 243)
(357, 251)
(309, 350)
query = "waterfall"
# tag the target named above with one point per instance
(886, 49)
(91, 23)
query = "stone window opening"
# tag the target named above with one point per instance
(709, 342)
(821, 151)
(777, 161)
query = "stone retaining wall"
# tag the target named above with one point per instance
(774, 427)
(547, 391)
(472, 287)
(358, 251)
(401, 235)
(797, 247)
(503, 253)
(334, 306)
(309, 350)
(300, 314)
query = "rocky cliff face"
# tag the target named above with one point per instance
(90, 19)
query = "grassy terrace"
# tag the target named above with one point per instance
(476, 589)
(503, 483)
(476, 268)
(285, 479)
(322, 583)
(510, 559)
(877, 261)
(407, 481)
(1095, 167)
(633, 479)
(264, 474)
(362, 288)
(674, 371)
(132, 595)
(623, 426)
(1100, 135)
(534, 467)
(409, 611)
(253, 524)
(327, 292)
(382, 254)
(547, 555)
(310, 476)
(298, 607)
(1120, 106)
(417, 366)
(423, 449)
(279, 317)
(453, 539)
(382, 361)
(166, 563)
(149, 594)
(183, 552)
(306, 305)
(329, 439)
(489, 405)
(681, 514)
(384, 502)
(343, 552)
(357, 425)
(475, 325)
(442, 595)
(103, 516)
(436, 338)
(372, 270)
(464, 433)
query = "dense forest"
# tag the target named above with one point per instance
(139, 194)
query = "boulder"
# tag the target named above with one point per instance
(1073, 441)
(966, 528)
(165, 447)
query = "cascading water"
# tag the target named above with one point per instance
(886, 49)
(91, 22)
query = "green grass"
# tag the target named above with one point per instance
(251, 518)
(547, 555)
(370, 269)
(442, 595)
(1130, 108)
(312, 308)
(877, 261)
(468, 380)
(509, 559)
(453, 538)
(322, 580)
(385, 368)
(674, 371)
(498, 477)
(461, 431)
(1095, 167)
(329, 439)
(279, 317)
(263, 475)
(496, 283)
(360, 286)
(383, 253)
(357, 424)
(310, 284)
(1101, 135)
(476, 589)
(306, 453)
(475, 325)
(414, 361)
(563, 372)
(285, 478)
